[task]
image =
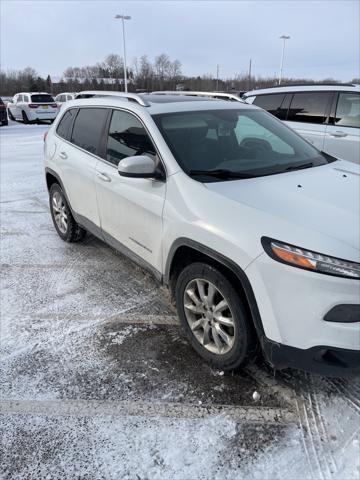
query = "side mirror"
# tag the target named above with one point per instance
(139, 166)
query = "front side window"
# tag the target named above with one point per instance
(218, 145)
(88, 127)
(127, 137)
(63, 129)
(309, 107)
(348, 110)
(40, 98)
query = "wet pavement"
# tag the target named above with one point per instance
(97, 381)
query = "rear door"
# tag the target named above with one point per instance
(342, 136)
(77, 155)
(308, 115)
(130, 208)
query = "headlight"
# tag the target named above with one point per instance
(308, 260)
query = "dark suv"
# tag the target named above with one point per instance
(3, 113)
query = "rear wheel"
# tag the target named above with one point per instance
(25, 117)
(65, 225)
(213, 317)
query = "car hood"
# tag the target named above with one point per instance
(325, 199)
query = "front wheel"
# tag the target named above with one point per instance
(214, 318)
(64, 223)
(11, 116)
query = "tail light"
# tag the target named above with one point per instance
(45, 135)
(33, 105)
(54, 105)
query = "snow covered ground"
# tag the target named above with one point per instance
(97, 382)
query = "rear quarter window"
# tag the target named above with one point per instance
(64, 126)
(271, 103)
(88, 128)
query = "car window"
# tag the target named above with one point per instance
(63, 128)
(20, 98)
(88, 127)
(271, 103)
(26, 98)
(69, 97)
(41, 98)
(309, 107)
(127, 137)
(348, 110)
(235, 141)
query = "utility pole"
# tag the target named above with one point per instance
(283, 38)
(249, 78)
(217, 78)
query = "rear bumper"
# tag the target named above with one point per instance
(329, 361)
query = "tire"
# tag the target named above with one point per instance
(25, 117)
(243, 342)
(5, 122)
(67, 229)
(11, 116)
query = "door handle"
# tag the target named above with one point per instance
(103, 177)
(338, 134)
(63, 155)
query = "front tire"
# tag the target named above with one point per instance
(11, 116)
(64, 223)
(214, 318)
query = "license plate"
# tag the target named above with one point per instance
(45, 106)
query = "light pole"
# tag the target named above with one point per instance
(283, 38)
(123, 18)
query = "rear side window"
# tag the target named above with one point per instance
(270, 103)
(348, 110)
(63, 129)
(127, 137)
(309, 107)
(88, 128)
(42, 99)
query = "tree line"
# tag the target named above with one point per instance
(143, 75)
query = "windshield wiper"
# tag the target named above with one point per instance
(221, 173)
(299, 167)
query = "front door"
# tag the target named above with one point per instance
(342, 138)
(130, 208)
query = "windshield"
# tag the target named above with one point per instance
(215, 145)
(42, 99)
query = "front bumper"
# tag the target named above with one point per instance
(329, 361)
(294, 305)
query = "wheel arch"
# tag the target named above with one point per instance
(51, 178)
(185, 251)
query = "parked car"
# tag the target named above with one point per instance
(254, 230)
(64, 97)
(3, 113)
(328, 116)
(32, 107)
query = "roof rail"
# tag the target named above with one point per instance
(219, 95)
(131, 97)
(309, 85)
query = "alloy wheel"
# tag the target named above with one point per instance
(209, 316)
(59, 210)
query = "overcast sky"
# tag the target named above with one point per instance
(52, 35)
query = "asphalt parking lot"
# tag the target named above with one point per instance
(98, 383)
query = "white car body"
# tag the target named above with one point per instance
(64, 97)
(23, 106)
(315, 208)
(332, 135)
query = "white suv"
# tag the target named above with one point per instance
(64, 97)
(328, 116)
(32, 107)
(254, 230)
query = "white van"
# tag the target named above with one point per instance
(328, 116)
